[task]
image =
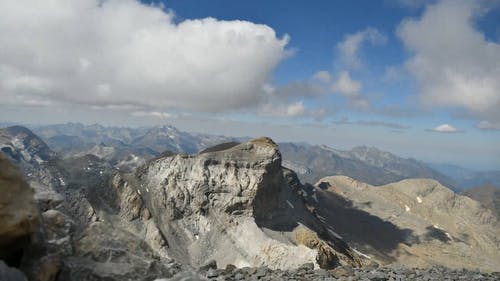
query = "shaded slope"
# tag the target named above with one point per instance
(488, 195)
(438, 226)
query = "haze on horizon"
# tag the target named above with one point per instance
(417, 78)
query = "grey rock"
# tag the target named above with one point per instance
(10, 274)
(212, 273)
(210, 264)
(237, 204)
(307, 266)
(19, 217)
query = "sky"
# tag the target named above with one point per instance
(418, 78)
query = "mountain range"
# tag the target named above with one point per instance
(311, 162)
(151, 203)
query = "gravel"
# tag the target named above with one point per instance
(307, 272)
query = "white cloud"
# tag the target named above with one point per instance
(102, 53)
(453, 63)
(371, 123)
(295, 89)
(323, 77)
(486, 125)
(445, 128)
(283, 110)
(346, 86)
(349, 48)
(156, 114)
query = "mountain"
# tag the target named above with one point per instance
(488, 195)
(215, 203)
(231, 212)
(363, 163)
(415, 222)
(237, 206)
(94, 133)
(467, 178)
(125, 148)
(163, 138)
(38, 163)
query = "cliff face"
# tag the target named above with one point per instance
(236, 206)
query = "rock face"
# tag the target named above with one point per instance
(236, 206)
(19, 218)
(415, 222)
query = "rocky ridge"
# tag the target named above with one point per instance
(414, 222)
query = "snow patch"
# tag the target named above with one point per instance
(407, 208)
(361, 254)
(419, 200)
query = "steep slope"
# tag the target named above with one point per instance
(363, 163)
(488, 195)
(236, 206)
(90, 228)
(415, 222)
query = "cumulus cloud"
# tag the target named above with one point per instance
(122, 52)
(444, 128)
(348, 49)
(452, 61)
(346, 86)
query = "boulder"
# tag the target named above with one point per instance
(19, 217)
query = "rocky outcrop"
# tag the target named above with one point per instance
(10, 274)
(415, 222)
(237, 206)
(19, 217)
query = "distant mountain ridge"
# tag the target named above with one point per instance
(367, 164)
(132, 146)
(467, 178)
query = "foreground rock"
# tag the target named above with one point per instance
(392, 273)
(414, 222)
(19, 218)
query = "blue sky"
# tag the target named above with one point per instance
(418, 78)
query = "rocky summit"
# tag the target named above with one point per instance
(237, 206)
